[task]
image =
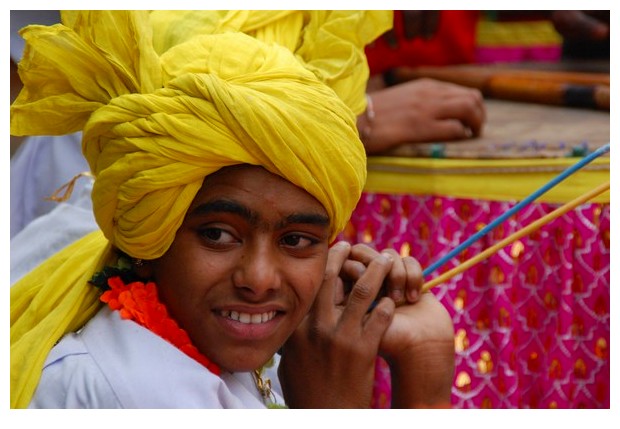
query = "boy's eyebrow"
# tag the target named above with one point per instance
(228, 206)
(305, 218)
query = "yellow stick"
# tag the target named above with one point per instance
(515, 236)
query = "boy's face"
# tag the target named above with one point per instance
(245, 265)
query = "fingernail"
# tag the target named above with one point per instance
(388, 256)
(413, 295)
(397, 295)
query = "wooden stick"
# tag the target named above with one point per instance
(477, 76)
(589, 90)
(547, 92)
(515, 236)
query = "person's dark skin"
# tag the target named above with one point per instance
(585, 33)
(581, 24)
(251, 272)
(329, 360)
(421, 110)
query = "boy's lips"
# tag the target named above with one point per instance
(244, 325)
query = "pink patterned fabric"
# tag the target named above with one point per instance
(532, 322)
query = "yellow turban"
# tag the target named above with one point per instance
(159, 114)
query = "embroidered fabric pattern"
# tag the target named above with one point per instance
(531, 322)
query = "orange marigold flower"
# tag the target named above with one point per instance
(140, 303)
(138, 290)
(107, 296)
(125, 296)
(115, 283)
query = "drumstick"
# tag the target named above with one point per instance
(476, 76)
(571, 89)
(533, 196)
(515, 236)
(547, 92)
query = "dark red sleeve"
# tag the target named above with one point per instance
(454, 43)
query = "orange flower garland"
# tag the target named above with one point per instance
(139, 302)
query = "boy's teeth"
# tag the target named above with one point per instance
(249, 318)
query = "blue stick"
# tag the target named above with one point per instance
(553, 182)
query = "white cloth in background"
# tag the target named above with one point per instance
(53, 231)
(42, 165)
(115, 363)
(22, 18)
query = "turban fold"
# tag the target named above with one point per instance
(165, 99)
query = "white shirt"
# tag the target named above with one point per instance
(115, 363)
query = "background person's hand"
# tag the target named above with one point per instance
(422, 110)
(581, 24)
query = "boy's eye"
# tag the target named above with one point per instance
(212, 234)
(299, 241)
(216, 235)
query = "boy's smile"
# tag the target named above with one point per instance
(245, 265)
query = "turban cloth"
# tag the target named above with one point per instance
(159, 114)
